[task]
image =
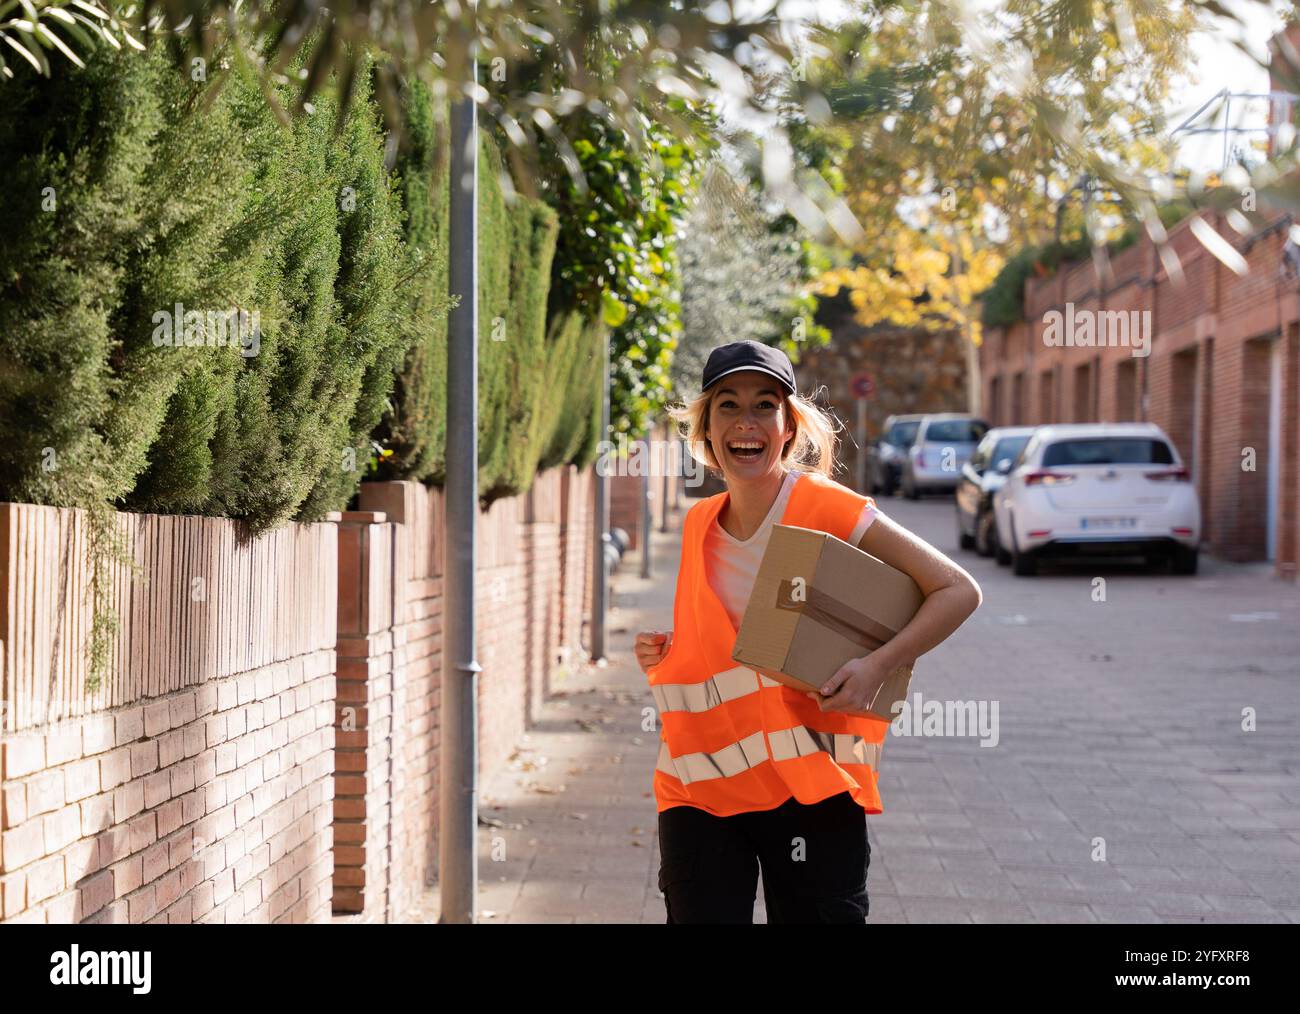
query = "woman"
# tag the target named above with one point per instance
(752, 773)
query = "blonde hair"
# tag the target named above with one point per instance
(811, 449)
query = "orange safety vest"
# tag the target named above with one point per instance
(733, 740)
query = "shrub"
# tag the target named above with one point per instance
(536, 381)
(167, 195)
(160, 201)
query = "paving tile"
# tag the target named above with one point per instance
(1124, 913)
(1239, 905)
(1146, 876)
(985, 912)
(923, 886)
(987, 889)
(1053, 911)
(931, 910)
(1023, 878)
(907, 861)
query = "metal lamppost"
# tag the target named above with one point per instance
(458, 757)
(599, 571)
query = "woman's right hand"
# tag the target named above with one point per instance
(652, 646)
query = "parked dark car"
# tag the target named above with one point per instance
(981, 477)
(885, 456)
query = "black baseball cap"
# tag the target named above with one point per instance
(748, 355)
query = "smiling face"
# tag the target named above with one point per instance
(748, 427)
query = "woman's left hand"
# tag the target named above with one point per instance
(854, 685)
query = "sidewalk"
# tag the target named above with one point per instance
(568, 832)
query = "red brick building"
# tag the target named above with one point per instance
(1221, 378)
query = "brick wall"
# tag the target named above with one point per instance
(194, 783)
(625, 508)
(264, 745)
(625, 490)
(1207, 381)
(531, 589)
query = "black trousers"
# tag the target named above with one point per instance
(813, 859)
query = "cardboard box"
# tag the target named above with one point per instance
(818, 602)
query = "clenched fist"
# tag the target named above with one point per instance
(652, 646)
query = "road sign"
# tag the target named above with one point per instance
(862, 385)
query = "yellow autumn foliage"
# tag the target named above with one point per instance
(918, 278)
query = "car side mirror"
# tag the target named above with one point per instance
(1004, 466)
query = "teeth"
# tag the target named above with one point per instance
(756, 445)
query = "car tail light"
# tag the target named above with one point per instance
(1048, 478)
(1181, 531)
(1179, 474)
(1038, 533)
(920, 459)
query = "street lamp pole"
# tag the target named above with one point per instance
(647, 509)
(458, 803)
(600, 522)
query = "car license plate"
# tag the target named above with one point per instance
(1108, 522)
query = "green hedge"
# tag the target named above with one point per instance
(160, 202)
(131, 188)
(537, 381)
(1003, 301)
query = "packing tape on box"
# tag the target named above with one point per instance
(834, 615)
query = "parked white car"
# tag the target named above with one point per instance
(1098, 488)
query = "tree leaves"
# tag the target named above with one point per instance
(33, 32)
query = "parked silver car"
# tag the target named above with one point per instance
(944, 442)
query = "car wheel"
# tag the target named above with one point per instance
(986, 534)
(963, 540)
(1000, 552)
(909, 488)
(1185, 559)
(1022, 564)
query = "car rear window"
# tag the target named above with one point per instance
(902, 434)
(1109, 451)
(958, 431)
(1008, 447)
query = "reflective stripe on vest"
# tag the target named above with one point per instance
(843, 748)
(787, 744)
(730, 760)
(725, 686)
